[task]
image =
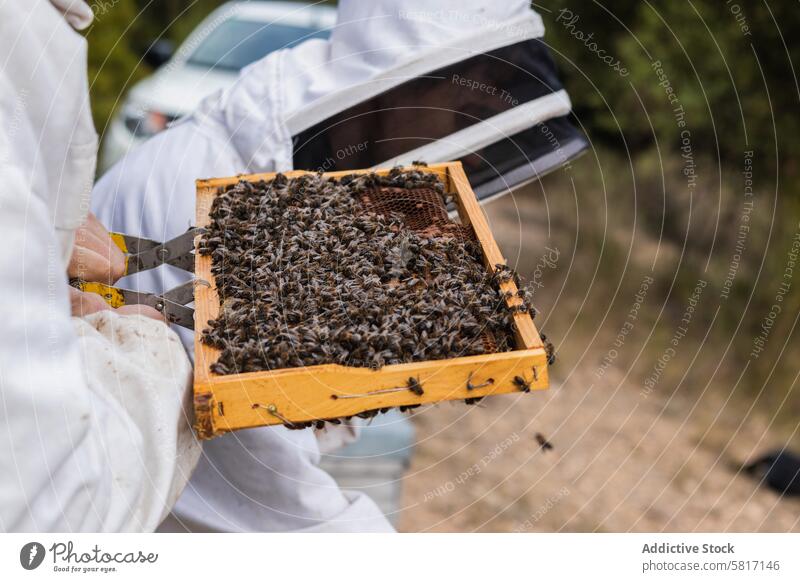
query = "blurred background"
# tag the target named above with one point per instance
(663, 265)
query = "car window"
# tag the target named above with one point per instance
(237, 43)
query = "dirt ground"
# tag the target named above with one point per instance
(621, 462)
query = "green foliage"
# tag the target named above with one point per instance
(121, 33)
(729, 65)
(713, 55)
(113, 64)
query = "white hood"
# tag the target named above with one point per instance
(45, 94)
(367, 40)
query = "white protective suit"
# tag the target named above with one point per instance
(268, 479)
(93, 434)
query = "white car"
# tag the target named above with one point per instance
(231, 37)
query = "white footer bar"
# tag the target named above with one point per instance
(407, 557)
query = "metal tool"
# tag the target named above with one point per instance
(142, 254)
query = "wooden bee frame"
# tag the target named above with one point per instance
(230, 402)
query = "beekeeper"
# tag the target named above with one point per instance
(268, 479)
(93, 432)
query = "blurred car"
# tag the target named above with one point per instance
(230, 38)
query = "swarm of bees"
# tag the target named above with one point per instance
(314, 270)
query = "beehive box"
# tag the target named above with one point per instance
(225, 403)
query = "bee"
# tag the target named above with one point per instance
(502, 273)
(522, 384)
(297, 425)
(507, 294)
(408, 407)
(549, 349)
(544, 444)
(415, 386)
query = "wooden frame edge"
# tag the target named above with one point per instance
(213, 412)
(262, 398)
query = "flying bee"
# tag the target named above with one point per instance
(544, 444)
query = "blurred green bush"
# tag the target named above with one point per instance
(121, 33)
(730, 65)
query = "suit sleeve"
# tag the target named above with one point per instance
(93, 434)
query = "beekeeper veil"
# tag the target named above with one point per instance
(44, 92)
(400, 81)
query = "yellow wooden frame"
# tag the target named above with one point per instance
(236, 401)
